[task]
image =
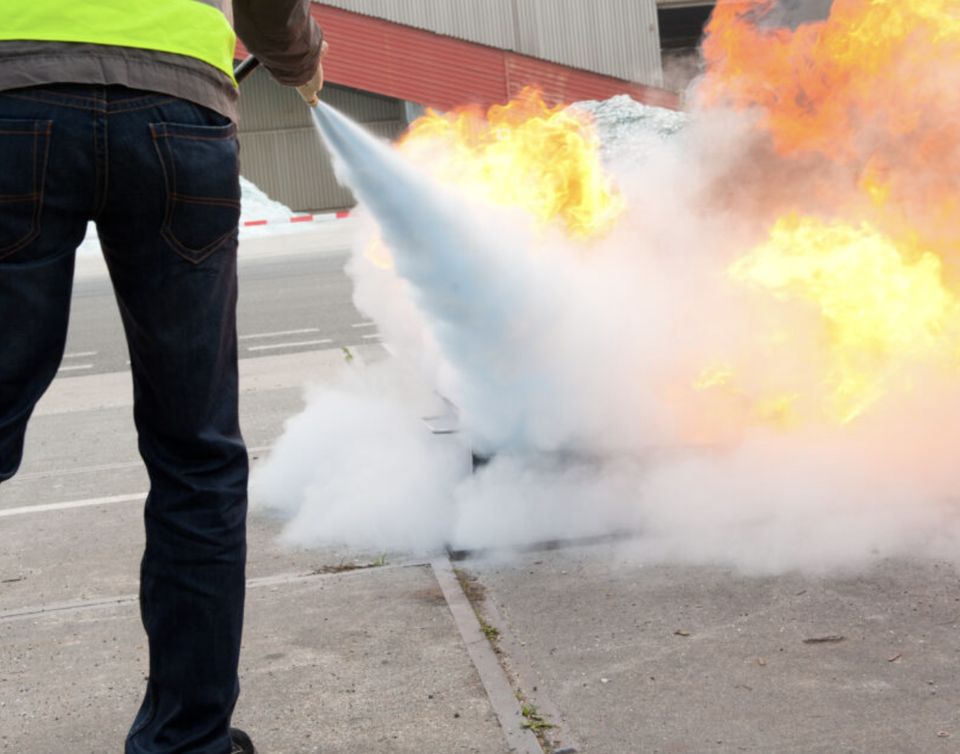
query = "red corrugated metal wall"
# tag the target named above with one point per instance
(442, 72)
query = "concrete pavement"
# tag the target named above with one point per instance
(335, 659)
(344, 651)
(669, 659)
(351, 652)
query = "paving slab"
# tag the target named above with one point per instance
(367, 661)
(335, 660)
(87, 422)
(676, 659)
(364, 660)
(93, 552)
(70, 682)
(82, 454)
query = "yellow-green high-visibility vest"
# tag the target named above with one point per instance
(195, 28)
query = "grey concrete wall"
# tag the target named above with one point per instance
(280, 150)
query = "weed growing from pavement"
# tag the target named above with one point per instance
(472, 588)
(534, 721)
(476, 594)
(344, 567)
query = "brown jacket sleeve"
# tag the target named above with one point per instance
(283, 36)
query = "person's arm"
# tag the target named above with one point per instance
(284, 37)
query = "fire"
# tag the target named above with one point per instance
(819, 86)
(880, 313)
(872, 89)
(868, 95)
(856, 283)
(544, 160)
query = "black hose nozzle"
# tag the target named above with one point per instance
(245, 67)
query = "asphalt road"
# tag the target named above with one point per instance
(289, 302)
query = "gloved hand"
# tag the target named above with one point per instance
(311, 89)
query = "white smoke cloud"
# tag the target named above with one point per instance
(560, 358)
(358, 466)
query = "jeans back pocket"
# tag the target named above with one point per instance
(202, 174)
(24, 145)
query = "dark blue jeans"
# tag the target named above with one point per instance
(160, 178)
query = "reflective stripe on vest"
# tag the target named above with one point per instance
(194, 28)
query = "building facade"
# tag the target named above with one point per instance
(391, 58)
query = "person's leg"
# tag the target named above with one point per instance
(47, 186)
(169, 234)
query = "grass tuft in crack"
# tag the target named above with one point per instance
(533, 719)
(490, 632)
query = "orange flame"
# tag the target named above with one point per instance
(866, 68)
(544, 160)
(869, 91)
(871, 88)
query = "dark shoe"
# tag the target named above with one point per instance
(241, 742)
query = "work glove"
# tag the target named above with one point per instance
(311, 90)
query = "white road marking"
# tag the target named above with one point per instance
(77, 470)
(371, 337)
(364, 324)
(71, 504)
(34, 475)
(80, 355)
(297, 344)
(281, 334)
(77, 368)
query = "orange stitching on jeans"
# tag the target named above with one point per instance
(201, 254)
(37, 197)
(155, 129)
(41, 173)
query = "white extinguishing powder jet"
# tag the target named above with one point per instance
(754, 362)
(470, 284)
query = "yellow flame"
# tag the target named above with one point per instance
(544, 160)
(881, 310)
